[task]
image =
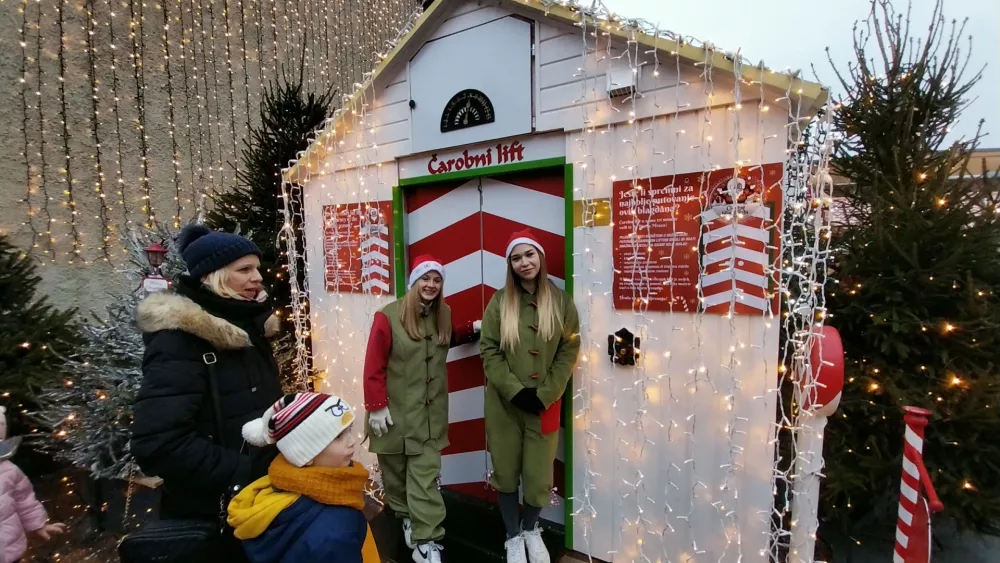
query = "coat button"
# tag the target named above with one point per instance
(534, 328)
(533, 352)
(533, 304)
(534, 376)
(253, 389)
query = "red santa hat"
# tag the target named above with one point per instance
(423, 264)
(523, 237)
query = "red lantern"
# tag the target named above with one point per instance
(156, 254)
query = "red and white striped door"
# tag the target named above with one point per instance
(466, 224)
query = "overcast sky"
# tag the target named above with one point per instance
(792, 34)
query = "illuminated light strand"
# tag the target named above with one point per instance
(116, 113)
(221, 169)
(171, 128)
(25, 151)
(258, 20)
(274, 36)
(328, 79)
(50, 239)
(232, 92)
(308, 42)
(203, 111)
(246, 69)
(590, 345)
(137, 35)
(105, 212)
(67, 169)
(187, 108)
(290, 51)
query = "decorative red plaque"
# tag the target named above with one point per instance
(663, 233)
(357, 247)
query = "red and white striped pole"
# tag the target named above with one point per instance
(913, 524)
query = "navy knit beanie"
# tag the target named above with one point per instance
(205, 251)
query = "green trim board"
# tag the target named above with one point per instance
(568, 411)
(481, 172)
(398, 240)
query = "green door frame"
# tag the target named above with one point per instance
(399, 263)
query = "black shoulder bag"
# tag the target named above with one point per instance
(186, 540)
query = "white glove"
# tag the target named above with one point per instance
(477, 326)
(380, 421)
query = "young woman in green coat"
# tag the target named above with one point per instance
(530, 342)
(406, 396)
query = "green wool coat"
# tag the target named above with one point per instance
(417, 388)
(542, 364)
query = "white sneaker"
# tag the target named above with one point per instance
(429, 552)
(408, 533)
(537, 553)
(515, 549)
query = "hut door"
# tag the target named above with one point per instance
(465, 224)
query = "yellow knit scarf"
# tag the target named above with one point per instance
(342, 486)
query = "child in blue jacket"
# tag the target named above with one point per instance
(308, 509)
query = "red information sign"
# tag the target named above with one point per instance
(357, 247)
(663, 234)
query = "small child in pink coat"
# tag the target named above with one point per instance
(20, 511)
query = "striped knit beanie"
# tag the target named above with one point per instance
(302, 424)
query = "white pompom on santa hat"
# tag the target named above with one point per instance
(423, 264)
(523, 237)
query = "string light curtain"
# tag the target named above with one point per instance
(689, 456)
(135, 112)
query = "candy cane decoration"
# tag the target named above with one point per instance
(913, 525)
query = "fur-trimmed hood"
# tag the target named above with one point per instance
(170, 311)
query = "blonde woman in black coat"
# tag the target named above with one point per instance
(206, 345)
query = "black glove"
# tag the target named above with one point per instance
(527, 400)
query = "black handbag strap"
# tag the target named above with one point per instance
(213, 384)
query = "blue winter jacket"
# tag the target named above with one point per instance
(310, 532)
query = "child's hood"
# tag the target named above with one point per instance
(256, 506)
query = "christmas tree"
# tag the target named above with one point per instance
(288, 117)
(90, 413)
(34, 335)
(917, 296)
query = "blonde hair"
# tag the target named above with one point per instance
(409, 315)
(549, 314)
(218, 283)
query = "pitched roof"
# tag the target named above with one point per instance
(568, 14)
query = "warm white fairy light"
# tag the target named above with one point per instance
(104, 216)
(211, 34)
(116, 56)
(233, 135)
(66, 167)
(171, 128)
(26, 150)
(137, 40)
(179, 22)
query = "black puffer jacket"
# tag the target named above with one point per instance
(174, 431)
